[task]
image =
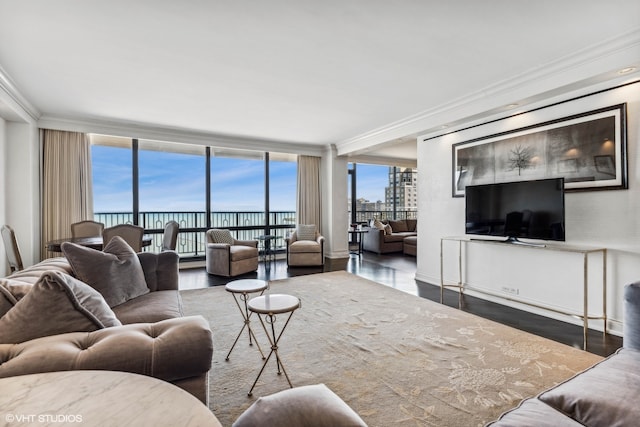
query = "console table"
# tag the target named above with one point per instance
(585, 251)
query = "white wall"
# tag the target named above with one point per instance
(22, 206)
(4, 268)
(595, 218)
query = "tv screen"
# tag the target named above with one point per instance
(523, 209)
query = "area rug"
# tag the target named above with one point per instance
(395, 358)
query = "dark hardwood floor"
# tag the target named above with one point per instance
(398, 271)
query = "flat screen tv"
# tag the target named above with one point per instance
(516, 210)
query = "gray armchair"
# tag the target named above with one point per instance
(229, 257)
(305, 252)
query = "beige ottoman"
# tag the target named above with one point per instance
(410, 245)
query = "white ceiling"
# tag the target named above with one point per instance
(346, 72)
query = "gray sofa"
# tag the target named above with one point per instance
(603, 395)
(381, 242)
(154, 339)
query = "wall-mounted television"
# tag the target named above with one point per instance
(516, 210)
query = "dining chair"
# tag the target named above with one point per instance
(170, 237)
(132, 234)
(87, 228)
(11, 248)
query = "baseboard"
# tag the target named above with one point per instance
(614, 326)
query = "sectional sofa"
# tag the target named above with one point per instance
(147, 334)
(391, 239)
(602, 396)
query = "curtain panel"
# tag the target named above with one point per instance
(308, 200)
(67, 191)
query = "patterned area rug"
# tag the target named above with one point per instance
(395, 358)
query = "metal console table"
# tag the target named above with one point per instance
(585, 316)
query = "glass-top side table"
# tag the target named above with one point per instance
(267, 307)
(267, 245)
(240, 289)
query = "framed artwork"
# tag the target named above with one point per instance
(588, 150)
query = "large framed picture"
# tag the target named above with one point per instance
(588, 150)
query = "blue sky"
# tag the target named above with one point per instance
(173, 182)
(176, 182)
(372, 180)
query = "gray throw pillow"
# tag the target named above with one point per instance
(306, 232)
(56, 304)
(312, 405)
(115, 271)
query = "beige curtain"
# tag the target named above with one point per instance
(67, 192)
(309, 190)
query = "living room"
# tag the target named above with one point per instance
(465, 81)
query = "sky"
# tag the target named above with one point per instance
(171, 182)
(371, 181)
(176, 182)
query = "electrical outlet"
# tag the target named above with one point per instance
(512, 291)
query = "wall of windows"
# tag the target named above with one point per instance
(381, 191)
(150, 183)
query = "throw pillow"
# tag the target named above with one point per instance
(387, 229)
(312, 405)
(56, 304)
(221, 236)
(306, 232)
(115, 271)
(399, 226)
(377, 224)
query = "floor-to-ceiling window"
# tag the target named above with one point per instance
(370, 184)
(172, 186)
(150, 183)
(112, 170)
(283, 170)
(238, 191)
(382, 192)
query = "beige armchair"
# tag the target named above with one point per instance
(229, 257)
(302, 251)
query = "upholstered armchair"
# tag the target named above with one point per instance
(305, 247)
(229, 257)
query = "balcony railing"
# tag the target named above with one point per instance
(193, 226)
(365, 216)
(243, 226)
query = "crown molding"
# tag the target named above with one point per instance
(187, 136)
(15, 101)
(589, 66)
(386, 161)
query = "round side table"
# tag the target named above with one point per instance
(241, 289)
(268, 306)
(98, 398)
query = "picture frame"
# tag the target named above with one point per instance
(589, 150)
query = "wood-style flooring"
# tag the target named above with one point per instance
(398, 271)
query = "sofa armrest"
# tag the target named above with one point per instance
(160, 270)
(171, 350)
(631, 332)
(373, 239)
(218, 258)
